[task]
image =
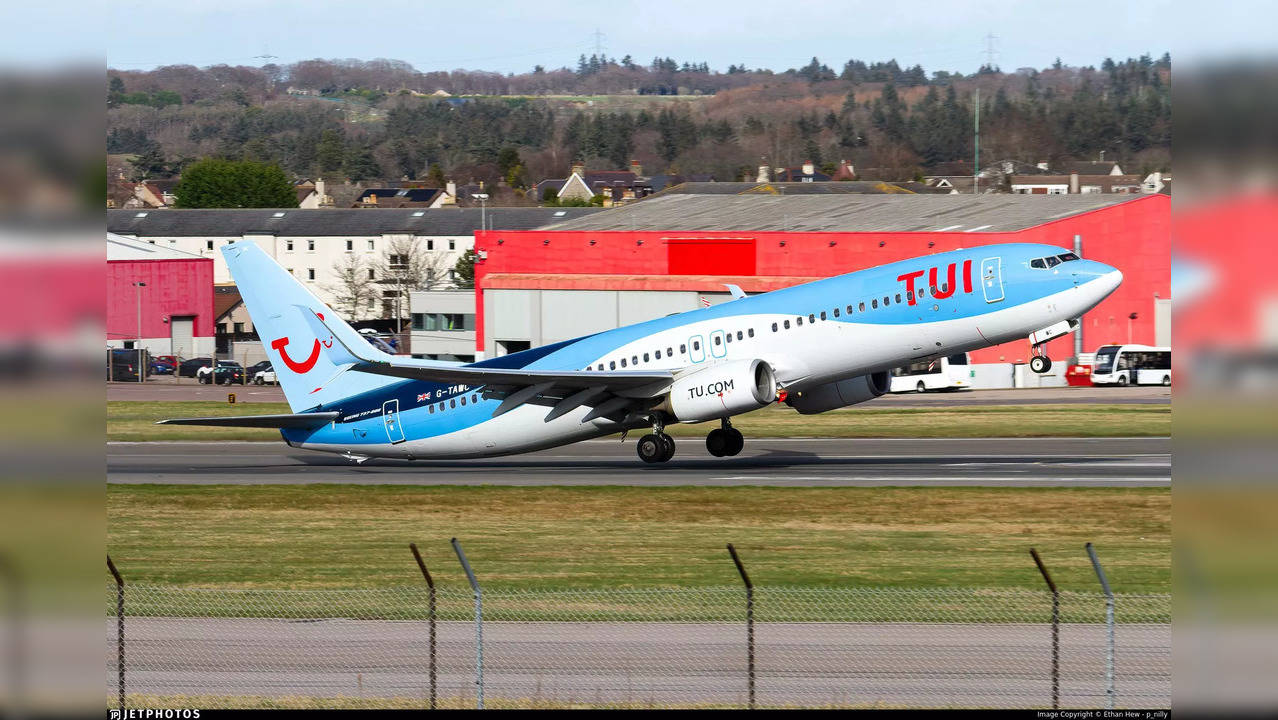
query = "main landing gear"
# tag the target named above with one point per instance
(657, 447)
(725, 440)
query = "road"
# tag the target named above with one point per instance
(187, 390)
(1025, 462)
(880, 664)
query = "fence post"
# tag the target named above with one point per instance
(1056, 630)
(749, 621)
(479, 625)
(430, 583)
(119, 628)
(1109, 626)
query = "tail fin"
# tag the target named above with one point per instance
(279, 306)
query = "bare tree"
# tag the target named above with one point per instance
(407, 265)
(356, 285)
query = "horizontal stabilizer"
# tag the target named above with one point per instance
(300, 420)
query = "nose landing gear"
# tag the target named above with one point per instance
(725, 440)
(1040, 363)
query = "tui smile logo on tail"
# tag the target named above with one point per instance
(303, 367)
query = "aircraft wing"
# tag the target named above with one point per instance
(609, 394)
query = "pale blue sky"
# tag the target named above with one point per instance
(514, 36)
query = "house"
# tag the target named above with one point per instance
(148, 194)
(1156, 182)
(1075, 184)
(312, 195)
(806, 172)
(1087, 167)
(616, 186)
(845, 173)
(401, 198)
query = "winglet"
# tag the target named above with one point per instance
(737, 292)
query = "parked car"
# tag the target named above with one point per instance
(122, 364)
(265, 377)
(169, 359)
(258, 367)
(227, 372)
(160, 367)
(190, 368)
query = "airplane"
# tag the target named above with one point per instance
(815, 347)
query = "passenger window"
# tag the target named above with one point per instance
(798, 321)
(623, 362)
(750, 332)
(432, 409)
(634, 359)
(874, 303)
(669, 352)
(822, 314)
(849, 309)
(811, 318)
(683, 349)
(774, 327)
(861, 307)
(945, 287)
(600, 368)
(612, 364)
(645, 357)
(909, 295)
(718, 340)
(886, 301)
(920, 292)
(836, 312)
(739, 335)
(696, 344)
(474, 399)
(463, 401)
(898, 298)
(729, 337)
(452, 403)
(1038, 264)
(657, 354)
(787, 324)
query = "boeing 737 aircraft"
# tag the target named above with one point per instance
(816, 347)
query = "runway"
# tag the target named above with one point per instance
(796, 462)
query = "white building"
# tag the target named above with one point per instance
(318, 245)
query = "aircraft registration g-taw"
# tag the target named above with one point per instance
(817, 346)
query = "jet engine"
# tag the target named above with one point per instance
(839, 394)
(722, 390)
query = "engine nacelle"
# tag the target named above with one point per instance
(722, 390)
(839, 394)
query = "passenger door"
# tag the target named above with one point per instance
(992, 279)
(390, 417)
(718, 344)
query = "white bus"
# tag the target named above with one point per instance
(947, 373)
(1132, 365)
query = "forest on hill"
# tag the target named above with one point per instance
(384, 120)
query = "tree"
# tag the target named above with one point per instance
(464, 270)
(360, 164)
(214, 183)
(356, 285)
(408, 265)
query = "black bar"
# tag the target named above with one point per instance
(749, 621)
(119, 627)
(430, 582)
(1056, 630)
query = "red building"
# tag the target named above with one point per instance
(691, 245)
(174, 307)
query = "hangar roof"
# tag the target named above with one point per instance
(330, 222)
(842, 213)
(125, 248)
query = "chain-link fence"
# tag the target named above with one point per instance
(690, 647)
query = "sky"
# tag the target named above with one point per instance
(512, 37)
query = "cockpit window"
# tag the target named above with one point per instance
(1066, 257)
(1038, 263)
(1047, 262)
(1053, 261)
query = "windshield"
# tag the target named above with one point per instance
(960, 359)
(1105, 360)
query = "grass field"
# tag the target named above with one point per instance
(135, 421)
(348, 536)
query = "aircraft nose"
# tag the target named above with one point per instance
(1104, 278)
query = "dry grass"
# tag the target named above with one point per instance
(618, 537)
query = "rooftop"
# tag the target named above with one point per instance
(842, 213)
(126, 248)
(335, 222)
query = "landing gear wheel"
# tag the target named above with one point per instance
(736, 441)
(920, 387)
(651, 449)
(668, 445)
(1040, 364)
(717, 442)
